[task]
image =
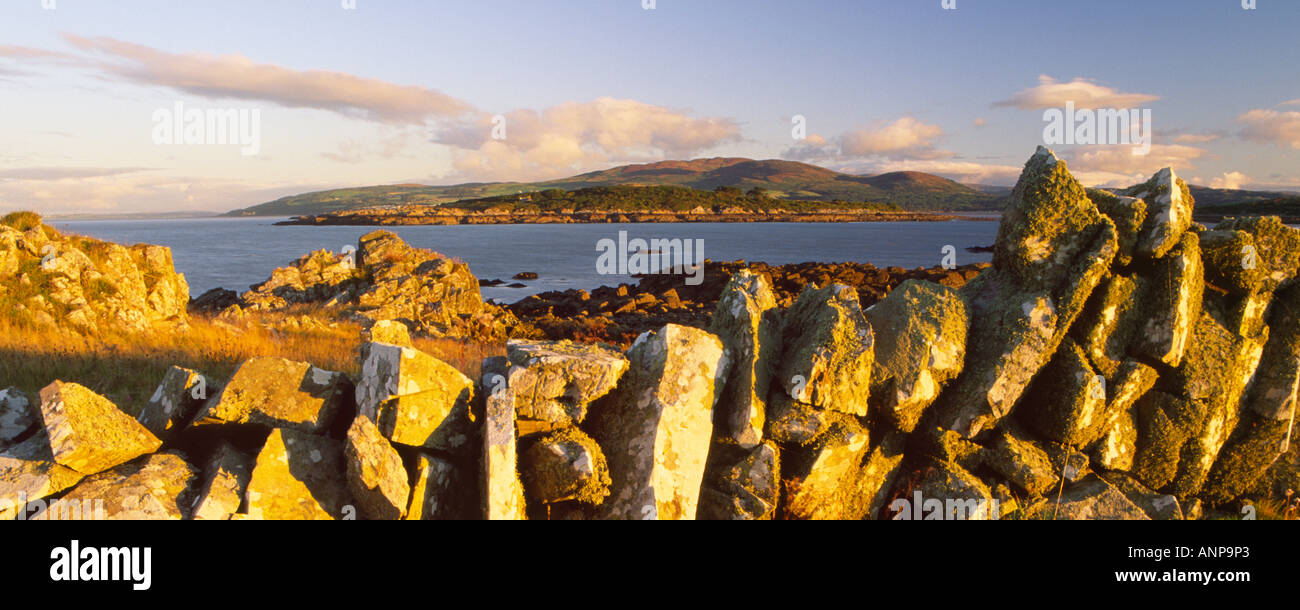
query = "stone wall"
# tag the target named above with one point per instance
(1117, 361)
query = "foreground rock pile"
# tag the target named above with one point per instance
(70, 282)
(384, 278)
(1117, 361)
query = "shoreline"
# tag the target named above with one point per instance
(451, 217)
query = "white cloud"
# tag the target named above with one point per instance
(1230, 180)
(904, 135)
(1195, 138)
(1121, 166)
(1271, 126)
(1083, 93)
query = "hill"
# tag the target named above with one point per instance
(780, 179)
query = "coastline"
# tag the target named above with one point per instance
(453, 216)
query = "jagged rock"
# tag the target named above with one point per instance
(1169, 212)
(827, 350)
(391, 332)
(822, 481)
(1269, 408)
(154, 487)
(1108, 324)
(88, 433)
(1095, 499)
(793, 423)
(555, 381)
(225, 481)
(441, 491)
(1230, 260)
(1118, 446)
(946, 491)
(1053, 249)
(1163, 422)
(749, 323)
(1023, 463)
(28, 474)
(1157, 506)
(1171, 299)
(178, 398)
(503, 494)
(565, 465)
(1276, 255)
(1067, 401)
(214, 301)
(17, 415)
(657, 424)
(1129, 215)
(1048, 224)
(1215, 372)
(299, 476)
(920, 343)
(277, 393)
(746, 490)
(878, 474)
(415, 399)
(376, 476)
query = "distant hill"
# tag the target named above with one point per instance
(781, 179)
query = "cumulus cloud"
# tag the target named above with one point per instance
(1121, 166)
(1084, 93)
(236, 76)
(904, 135)
(528, 143)
(1294, 102)
(1230, 180)
(1273, 126)
(980, 122)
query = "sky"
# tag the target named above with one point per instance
(333, 93)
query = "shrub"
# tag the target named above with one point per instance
(22, 221)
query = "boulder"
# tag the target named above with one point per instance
(1171, 298)
(391, 332)
(503, 494)
(88, 433)
(1129, 215)
(920, 343)
(1169, 212)
(415, 399)
(565, 465)
(1023, 462)
(1109, 323)
(1215, 373)
(17, 415)
(947, 492)
(1118, 446)
(1095, 499)
(28, 474)
(821, 480)
(1157, 506)
(299, 476)
(278, 393)
(442, 491)
(1067, 401)
(794, 423)
(827, 351)
(1231, 261)
(657, 424)
(556, 381)
(1276, 249)
(746, 490)
(748, 322)
(1163, 424)
(178, 398)
(376, 476)
(154, 487)
(225, 480)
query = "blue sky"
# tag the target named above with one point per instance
(407, 91)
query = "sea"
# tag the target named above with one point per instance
(235, 253)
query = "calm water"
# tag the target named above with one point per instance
(235, 253)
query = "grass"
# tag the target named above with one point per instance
(128, 368)
(22, 221)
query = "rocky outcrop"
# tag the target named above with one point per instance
(89, 434)
(382, 278)
(84, 285)
(273, 393)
